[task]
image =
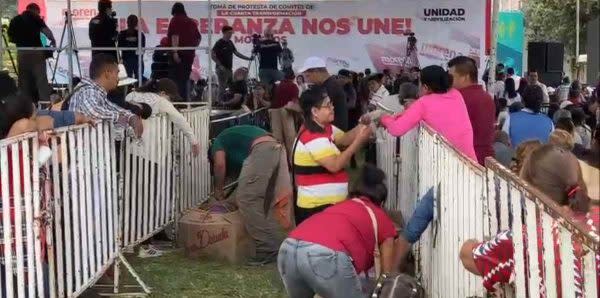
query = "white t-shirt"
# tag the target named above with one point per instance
(498, 89)
(545, 90)
(510, 101)
(379, 95)
(161, 105)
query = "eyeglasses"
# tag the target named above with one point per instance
(327, 105)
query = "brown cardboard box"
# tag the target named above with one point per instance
(219, 236)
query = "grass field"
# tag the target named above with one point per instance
(175, 276)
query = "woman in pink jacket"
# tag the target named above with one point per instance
(441, 108)
(444, 110)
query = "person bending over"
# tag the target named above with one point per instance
(556, 173)
(327, 261)
(264, 187)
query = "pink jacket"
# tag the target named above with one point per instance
(445, 113)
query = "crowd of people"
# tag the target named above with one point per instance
(337, 116)
(319, 123)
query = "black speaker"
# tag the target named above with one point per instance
(551, 79)
(555, 56)
(536, 57)
(546, 56)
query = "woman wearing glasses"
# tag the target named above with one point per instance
(319, 164)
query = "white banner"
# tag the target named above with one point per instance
(347, 34)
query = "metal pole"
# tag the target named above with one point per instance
(70, 46)
(140, 55)
(1, 46)
(577, 9)
(494, 37)
(209, 71)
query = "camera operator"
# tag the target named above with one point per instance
(24, 30)
(222, 54)
(268, 51)
(103, 29)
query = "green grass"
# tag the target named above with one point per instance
(174, 275)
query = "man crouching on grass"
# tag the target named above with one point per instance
(264, 186)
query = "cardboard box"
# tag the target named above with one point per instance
(220, 236)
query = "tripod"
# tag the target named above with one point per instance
(253, 59)
(68, 26)
(411, 50)
(10, 56)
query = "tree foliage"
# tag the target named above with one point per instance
(554, 20)
(8, 8)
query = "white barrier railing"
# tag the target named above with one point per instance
(458, 215)
(194, 181)
(387, 160)
(147, 164)
(66, 224)
(472, 202)
(21, 252)
(531, 216)
(82, 243)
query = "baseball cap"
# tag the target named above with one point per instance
(312, 62)
(565, 104)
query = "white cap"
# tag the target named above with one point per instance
(312, 62)
(565, 104)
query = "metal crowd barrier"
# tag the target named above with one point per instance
(66, 222)
(473, 202)
(147, 167)
(531, 215)
(259, 118)
(458, 186)
(194, 178)
(22, 256)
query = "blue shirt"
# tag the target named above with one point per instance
(526, 125)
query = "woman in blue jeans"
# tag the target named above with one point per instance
(327, 251)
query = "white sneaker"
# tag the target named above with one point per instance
(149, 252)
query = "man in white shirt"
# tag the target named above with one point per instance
(534, 80)
(511, 74)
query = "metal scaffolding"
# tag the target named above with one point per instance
(70, 48)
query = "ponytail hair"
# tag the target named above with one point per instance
(577, 198)
(556, 172)
(371, 185)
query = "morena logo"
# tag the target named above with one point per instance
(395, 61)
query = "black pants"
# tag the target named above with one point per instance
(180, 74)
(301, 214)
(131, 66)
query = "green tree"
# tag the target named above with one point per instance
(554, 20)
(8, 8)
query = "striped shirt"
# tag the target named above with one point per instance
(90, 99)
(316, 185)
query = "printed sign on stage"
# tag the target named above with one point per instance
(347, 34)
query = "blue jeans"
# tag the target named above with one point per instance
(307, 268)
(420, 218)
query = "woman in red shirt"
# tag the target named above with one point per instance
(325, 253)
(556, 173)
